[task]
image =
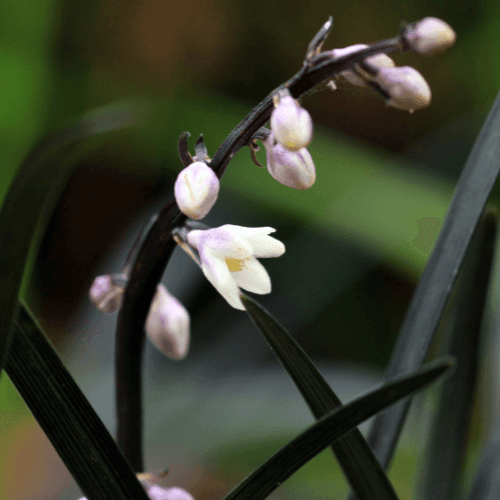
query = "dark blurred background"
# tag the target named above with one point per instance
(356, 242)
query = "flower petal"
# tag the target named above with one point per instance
(262, 244)
(253, 277)
(221, 242)
(217, 272)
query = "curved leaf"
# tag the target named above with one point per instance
(436, 284)
(365, 475)
(67, 418)
(445, 457)
(335, 424)
(26, 195)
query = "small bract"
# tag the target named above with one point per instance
(229, 259)
(196, 190)
(291, 124)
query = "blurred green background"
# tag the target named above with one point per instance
(356, 242)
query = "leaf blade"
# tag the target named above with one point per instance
(445, 459)
(266, 478)
(67, 418)
(27, 193)
(361, 467)
(434, 288)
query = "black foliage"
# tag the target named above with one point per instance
(332, 426)
(446, 452)
(67, 418)
(436, 284)
(365, 475)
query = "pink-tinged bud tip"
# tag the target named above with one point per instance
(430, 36)
(291, 124)
(106, 296)
(167, 324)
(196, 190)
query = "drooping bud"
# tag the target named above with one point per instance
(167, 324)
(294, 169)
(196, 190)
(378, 61)
(158, 493)
(291, 124)
(430, 36)
(105, 295)
(406, 87)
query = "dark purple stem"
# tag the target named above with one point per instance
(154, 254)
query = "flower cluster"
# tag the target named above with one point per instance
(404, 87)
(228, 255)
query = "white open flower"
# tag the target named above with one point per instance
(196, 190)
(229, 259)
(294, 169)
(377, 61)
(406, 87)
(430, 36)
(291, 124)
(167, 324)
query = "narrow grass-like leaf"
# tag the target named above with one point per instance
(365, 475)
(26, 195)
(445, 457)
(434, 289)
(486, 485)
(66, 417)
(332, 426)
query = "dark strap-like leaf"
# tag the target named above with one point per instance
(365, 475)
(67, 418)
(435, 286)
(26, 196)
(335, 424)
(486, 483)
(445, 455)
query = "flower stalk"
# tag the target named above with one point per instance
(156, 250)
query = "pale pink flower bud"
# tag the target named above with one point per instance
(430, 36)
(291, 124)
(105, 295)
(158, 493)
(294, 169)
(167, 324)
(406, 87)
(378, 61)
(196, 190)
